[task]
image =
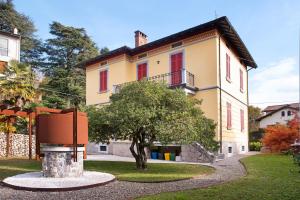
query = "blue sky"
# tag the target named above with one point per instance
(269, 28)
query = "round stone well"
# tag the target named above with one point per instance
(58, 162)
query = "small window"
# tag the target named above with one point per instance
(3, 47)
(177, 44)
(228, 75)
(103, 148)
(229, 149)
(289, 113)
(282, 114)
(243, 148)
(142, 55)
(103, 63)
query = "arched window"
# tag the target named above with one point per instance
(282, 113)
(289, 113)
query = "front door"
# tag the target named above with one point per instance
(176, 68)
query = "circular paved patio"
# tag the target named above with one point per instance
(226, 170)
(35, 181)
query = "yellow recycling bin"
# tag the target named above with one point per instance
(167, 156)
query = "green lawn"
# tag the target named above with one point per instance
(11, 167)
(126, 171)
(272, 177)
(122, 170)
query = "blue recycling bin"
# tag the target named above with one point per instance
(154, 155)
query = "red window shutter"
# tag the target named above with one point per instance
(142, 71)
(229, 120)
(242, 120)
(103, 80)
(241, 80)
(227, 66)
(176, 68)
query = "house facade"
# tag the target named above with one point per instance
(278, 114)
(209, 62)
(9, 48)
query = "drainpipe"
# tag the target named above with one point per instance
(220, 95)
(248, 106)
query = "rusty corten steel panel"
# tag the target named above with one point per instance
(58, 128)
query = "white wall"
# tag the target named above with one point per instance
(276, 118)
(13, 49)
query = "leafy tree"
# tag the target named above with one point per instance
(17, 84)
(144, 112)
(31, 46)
(68, 47)
(104, 50)
(254, 113)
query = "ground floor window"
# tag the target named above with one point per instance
(229, 149)
(243, 148)
(103, 148)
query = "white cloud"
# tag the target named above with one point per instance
(279, 82)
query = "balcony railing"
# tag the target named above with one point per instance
(182, 78)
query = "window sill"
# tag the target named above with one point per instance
(228, 80)
(105, 91)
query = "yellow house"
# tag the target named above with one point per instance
(209, 61)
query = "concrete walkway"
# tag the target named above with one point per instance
(226, 170)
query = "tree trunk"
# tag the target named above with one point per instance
(139, 154)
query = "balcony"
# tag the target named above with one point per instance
(179, 79)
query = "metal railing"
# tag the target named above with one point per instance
(172, 79)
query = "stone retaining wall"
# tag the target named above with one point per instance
(19, 145)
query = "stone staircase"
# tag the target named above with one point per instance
(205, 155)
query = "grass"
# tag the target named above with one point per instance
(122, 170)
(11, 167)
(270, 177)
(156, 172)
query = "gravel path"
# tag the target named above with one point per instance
(226, 170)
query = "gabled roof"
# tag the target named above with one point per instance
(273, 109)
(222, 24)
(276, 107)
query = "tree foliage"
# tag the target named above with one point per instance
(31, 46)
(254, 113)
(17, 84)
(144, 112)
(64, 50)
(280, 137)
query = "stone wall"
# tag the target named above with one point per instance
(19, 145)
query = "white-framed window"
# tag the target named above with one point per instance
(103, 148)
(3, 47)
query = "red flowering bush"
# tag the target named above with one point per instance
(280, 137)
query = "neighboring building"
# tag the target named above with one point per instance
(278, 114)
(208, 62)
(9, 48)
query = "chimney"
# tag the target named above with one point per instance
(15, 31)
(140, 38)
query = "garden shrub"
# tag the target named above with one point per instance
(255, 146)
(280, 137)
